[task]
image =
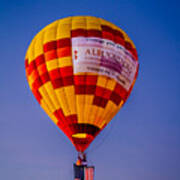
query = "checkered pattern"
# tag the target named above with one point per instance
(81, 103)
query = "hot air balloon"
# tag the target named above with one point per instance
(81, 70)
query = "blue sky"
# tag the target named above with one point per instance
(142, 142)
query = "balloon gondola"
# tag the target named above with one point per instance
(81, 70)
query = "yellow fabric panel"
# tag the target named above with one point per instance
(65, 61)
(101, 81)
(47, 110)
(113, 26)
(80, 107)
(70, 94)
(118, 108)
(29, 51)
(46, 98)
(49, 88)
(64, 28)
(31, 55)
(32, 77)
(99, 117)
(89, 99)
(93, 23)
(107, 23)
(29, 82)
(61, 97)
(111, 83)
(51, 25)
(50, 34)
(30, 85)
(88, 113)
(51, 65)
(93, 115)
(109, 107)
(38, 48)
(78, 22)
(87, 108)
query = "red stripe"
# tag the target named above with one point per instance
(61, 121)
(65, 121)
(90, 89)
(99, 101)
(45, 78)
(115, 98)
(57, 83)
(37, 95)
(128, 45)
(31, 67)
(137, 72)
(94, 33)
(132, 50)
(102, 92)
(107, 35)
(26, 63)
(79, 79)
(68, 80)
(119, 34)
(91, 79)
(78, 32)
(61, 43)
(40, 60)
(80, 89)
(66, 71)
(119, 40)
(85, 89)
(50, 46)
(54, 74)
(135, 53)
(37, 83)
(118, 88)
(107, 29)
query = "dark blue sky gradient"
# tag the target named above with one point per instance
(143, 140)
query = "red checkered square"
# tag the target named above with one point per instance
(66, 71)
(55, 74)
(79, 79)
(91, 79)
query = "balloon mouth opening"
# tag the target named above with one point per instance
(80, 135)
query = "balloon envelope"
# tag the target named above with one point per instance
(81, 71)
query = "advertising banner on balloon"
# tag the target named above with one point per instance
(104, 57)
